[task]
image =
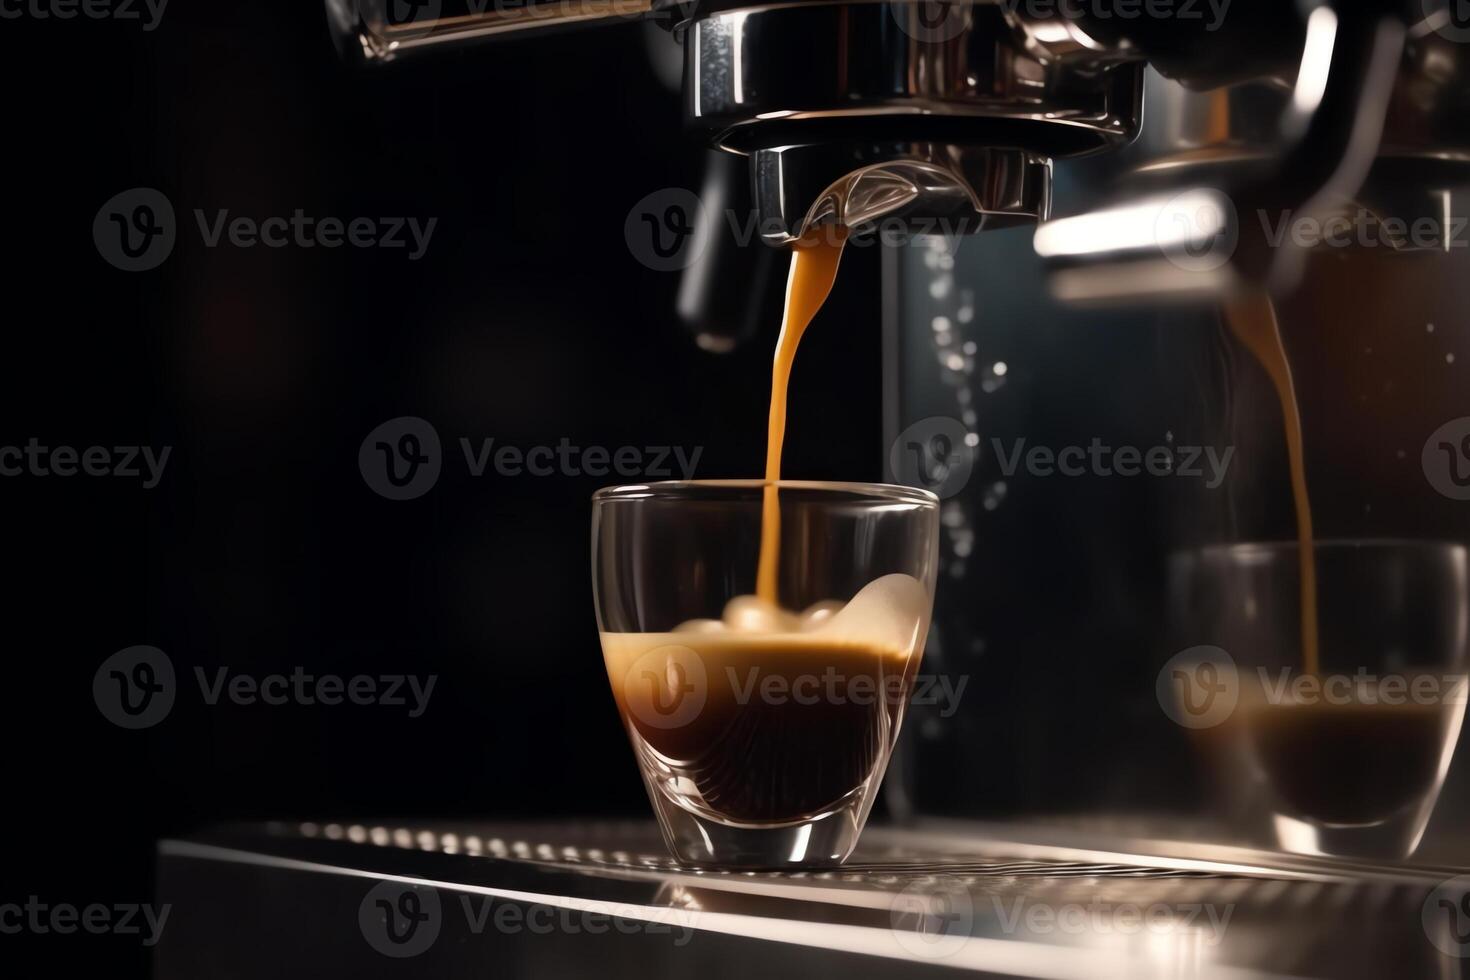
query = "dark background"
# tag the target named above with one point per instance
(531, 321)
(262, 549)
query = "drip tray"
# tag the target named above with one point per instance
(603, 899)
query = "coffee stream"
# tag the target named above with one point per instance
(760, 717)
(1346, 765)
(1253, 320)
(813, 270)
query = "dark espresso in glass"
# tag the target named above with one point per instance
(787, 725)
(1349, 764)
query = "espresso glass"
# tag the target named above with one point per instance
(762, 736)
(1346, 759)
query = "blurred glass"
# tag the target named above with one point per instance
(1346, 759)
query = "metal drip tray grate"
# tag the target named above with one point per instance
(634, 846)
(907, 903)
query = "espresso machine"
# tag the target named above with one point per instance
(1053, 184)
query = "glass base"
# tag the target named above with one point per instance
(1394, 839)
(699, 841)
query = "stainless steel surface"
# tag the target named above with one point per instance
(1368, 137)
(907, 904)
(1193, 238)
(381, 31)
(954, 121)
(866, 110)
(995, 88)
(773, 76)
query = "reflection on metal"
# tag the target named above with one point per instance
(381, 31)
(1365, 143)
(778, 75)
(905, 187)
(939, 897)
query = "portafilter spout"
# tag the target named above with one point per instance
(898, 188)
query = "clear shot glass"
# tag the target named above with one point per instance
(762, 724)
